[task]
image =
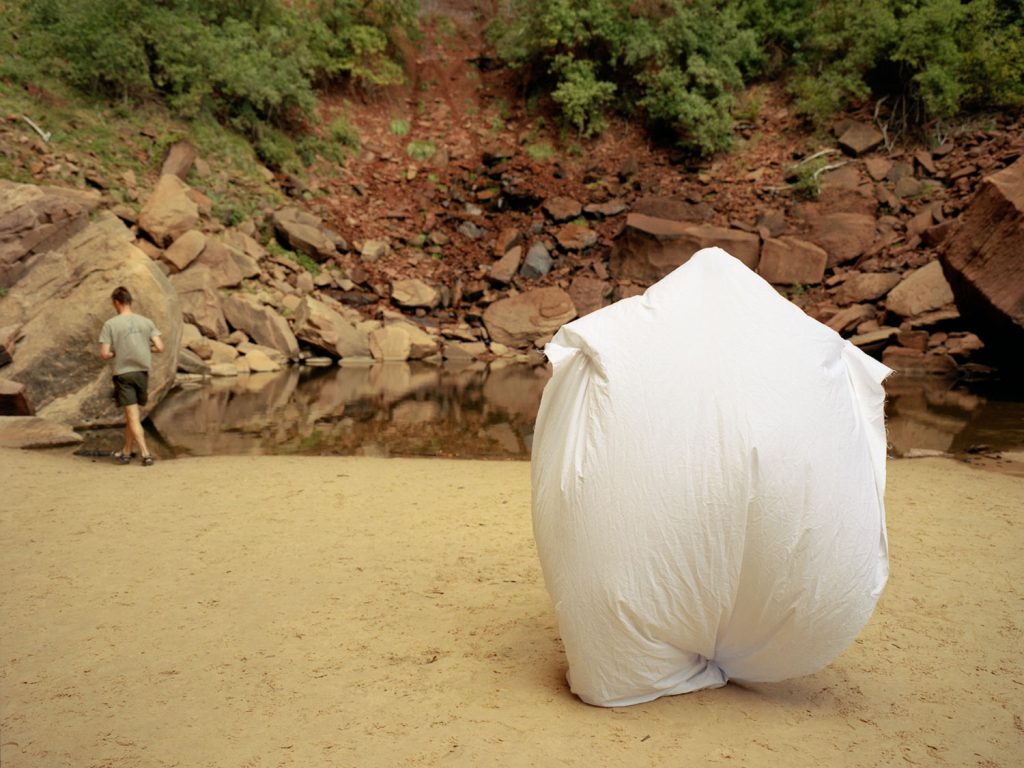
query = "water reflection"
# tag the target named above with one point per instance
(480, 411)
(389, 409)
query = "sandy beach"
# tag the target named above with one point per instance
(316, 611)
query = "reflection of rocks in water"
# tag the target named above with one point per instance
(383, 409)
(924, 413)
(234, 416)
(931, 414)
(474, 410)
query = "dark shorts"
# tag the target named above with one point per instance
(131, 388)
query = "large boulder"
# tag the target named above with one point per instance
(984, 262)
(302, 231)
(532, 315)
(62, 301)
(320, 326)
(200, 300)
(414, 293)
(185, 249)
(790, 260)
(34, 220)
(844, 236)
(228, 265)
(35, 432)
(920, 291)
(260, 322)
(649, 248)
(169, 212)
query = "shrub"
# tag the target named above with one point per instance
(675, 63)
(249, 64)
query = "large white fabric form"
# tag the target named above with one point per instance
(708, 473)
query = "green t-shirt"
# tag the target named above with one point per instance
(129, 337)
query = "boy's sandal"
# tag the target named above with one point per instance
(147, 461)
(122, 459)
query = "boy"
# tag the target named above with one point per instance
(128, 339)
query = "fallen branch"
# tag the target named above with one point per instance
(44, 135)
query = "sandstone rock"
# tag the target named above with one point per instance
(219, 352)
(672, 209)
(35, 432)
(773, 221)
(537, 262)
(874, 339)
(576, 237)
(191, 363)
(507, 239)
(62, 301)
(913, 339)
(472, 231)
(200, 300)
(789, 260)
(962, 345)
(260, 362)
(373, 250)
(274, 355)
(588, 294)
(562, 208)
(223, 370)
(984, 262)
(169, 213)
(844, 236)
(320, 326)
(877, 167)
(913, 362)
(185, 249)
(908, 186)
(860, 138)
(390, 343)
(244, 242)
(13, 401)
(414, 293)
(521, 319)
(9, 336)
(304, 283)
(851, 317)
(920, 291)
(227, 265)
(605, 210)
(35, 220)
(464, 351)
(866, 286)
(421, 344)
(301, 231)
(261, 323)
(178, 160)
(504, 270)
(650, 248)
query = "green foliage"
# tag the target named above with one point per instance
(252, 65)
(582, 97)
(399, 127)
(678, 63)
(420, 150)
(934, 58)
(675, 63)
(540, 151)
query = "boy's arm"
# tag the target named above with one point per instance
(156, 343)
(106, 353)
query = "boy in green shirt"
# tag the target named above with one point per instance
(129, 339)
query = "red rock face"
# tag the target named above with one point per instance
(984, 262)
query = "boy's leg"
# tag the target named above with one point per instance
(133, 429)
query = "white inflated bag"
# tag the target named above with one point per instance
(708, 473)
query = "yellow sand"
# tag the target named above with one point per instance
(277, 611)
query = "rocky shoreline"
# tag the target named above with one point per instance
(914, 256)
